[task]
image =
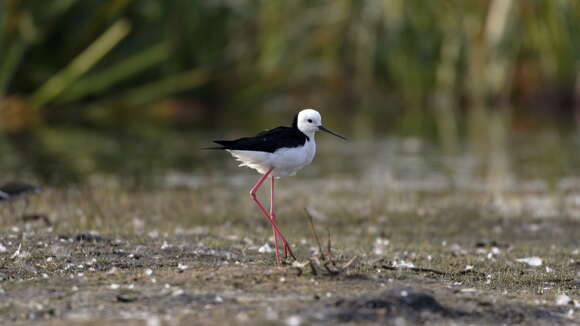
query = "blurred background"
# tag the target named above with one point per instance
(132, 90)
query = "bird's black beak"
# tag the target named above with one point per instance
(330, 132)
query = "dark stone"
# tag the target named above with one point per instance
(401, 302)
(128, 296)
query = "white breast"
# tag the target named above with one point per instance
(285, 161)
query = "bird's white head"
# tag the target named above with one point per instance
(309, 121)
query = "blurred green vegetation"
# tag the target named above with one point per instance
(123, 69)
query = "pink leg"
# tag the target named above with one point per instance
(273, 215)
(263, 209)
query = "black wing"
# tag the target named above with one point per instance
(267, 141)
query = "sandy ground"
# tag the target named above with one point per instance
(409, 247)
(217, 277)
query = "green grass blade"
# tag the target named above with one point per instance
(162, 88)
(81, 64)
(121, 71)
(10, 63)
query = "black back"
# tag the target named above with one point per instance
(267, 141)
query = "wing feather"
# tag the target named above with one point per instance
(267, 141)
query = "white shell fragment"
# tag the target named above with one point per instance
(531, 261)
(562, 300)
(265, 249)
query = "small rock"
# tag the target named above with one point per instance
(265, 249)
(128, 296)
(562, 300)
(403, 264)
(294, 320)
(88, 237)
(531, 261)
(153, 321)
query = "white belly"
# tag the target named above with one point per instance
(285, 161)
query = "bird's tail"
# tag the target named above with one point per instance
(223, 143)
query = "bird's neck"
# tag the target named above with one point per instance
(310, 135)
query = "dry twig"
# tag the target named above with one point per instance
(315, 233)
(322, 260)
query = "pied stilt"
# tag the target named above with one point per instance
(278, 152)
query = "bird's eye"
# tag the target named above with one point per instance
(310, 120)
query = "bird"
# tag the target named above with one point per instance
(275, 153)
(16, 189)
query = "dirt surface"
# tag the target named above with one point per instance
(421, 250)
(57, 278)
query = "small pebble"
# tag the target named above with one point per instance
(562, 300)
(531, 261)
(265, 249)
(294, 320)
